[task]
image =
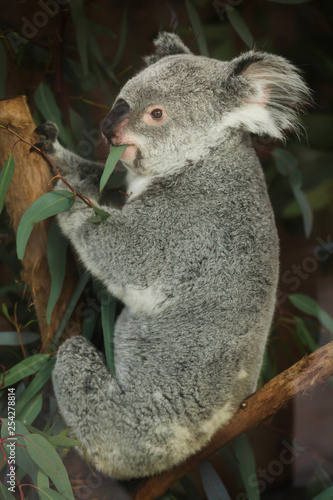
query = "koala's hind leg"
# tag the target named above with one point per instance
(83, 175)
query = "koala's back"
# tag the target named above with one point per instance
(213, 293)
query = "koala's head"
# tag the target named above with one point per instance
(181, 104)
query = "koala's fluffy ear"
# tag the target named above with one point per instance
(167, 44)
(273, 93)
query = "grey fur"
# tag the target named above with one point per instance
(193, 256)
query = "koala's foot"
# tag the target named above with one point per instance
(49, 135)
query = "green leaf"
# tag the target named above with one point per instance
(6, 176)
(45, 456)
(57, 246)
(25, 368)
(82, 33)
(23, 459)
(108, 311)
(304, 335)
(46, 104)
(122, 41)
(287, 165)
(6, 495)
(111, 162)
(48, 494)
(70, 306)
(307, 214)
(101, 215)
(197, 28)
(311, 307)
(239, 25)
(45, 206)
(5, 311)
(42, 480)
(245, 457)
(31, 410)
(63, 441)
(325, 495)
(88, 325)
(37, 383)
(211, 482)
(3, 72)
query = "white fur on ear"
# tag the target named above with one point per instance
(276, 93)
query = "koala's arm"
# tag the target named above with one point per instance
(83, 175)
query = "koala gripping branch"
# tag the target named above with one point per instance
(30, 181)
(296, 381)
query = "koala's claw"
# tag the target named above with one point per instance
(46, 146)
(49, 134)
(48, 130)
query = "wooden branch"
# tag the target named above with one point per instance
(299, 379)
(30, 181)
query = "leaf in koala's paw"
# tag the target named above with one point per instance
(239, 25)
(6, 176)
(100, 215)
(46, 457)
(111, 162)
(45, 206)
(57, 246)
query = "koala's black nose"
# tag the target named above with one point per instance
(118, 112)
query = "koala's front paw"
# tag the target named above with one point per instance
(49, 135)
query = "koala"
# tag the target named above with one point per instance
(193, 255)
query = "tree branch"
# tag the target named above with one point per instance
(299, 379)
(30, 181)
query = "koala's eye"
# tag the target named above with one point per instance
(157, 114)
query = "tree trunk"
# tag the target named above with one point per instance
(30, 181)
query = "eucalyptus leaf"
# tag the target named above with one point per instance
(5, 493)
(211, 482)
(57, 246)
(37, 383)
(108, 317)
(48, 494)
(122, 41)
(239, 25)
(110, 164)
(305, 335)
(25, 368)
(46, 104)
(6, 176)
(197, 28)
(45, 456)
(287, 164)
(42, 480)
(63, 441)
(5, 311)
(100, 215)
(325, 495)
(245, 457)
(70, 306)
(310, 306)
(31, 410)
(45, 206)
(22, 457)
